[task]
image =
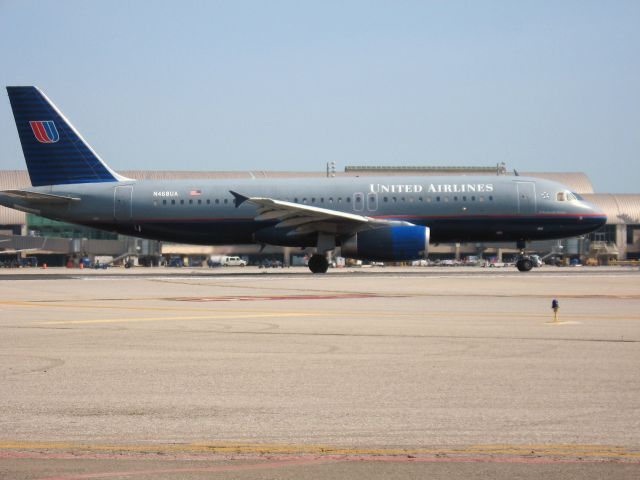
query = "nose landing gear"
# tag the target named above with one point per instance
(524, 264)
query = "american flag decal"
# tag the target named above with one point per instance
(195, 193)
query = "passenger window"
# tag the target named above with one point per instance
(217, 201)
(481, 198)
(208, 201)
(330, 199)
(385, 199)
(173, 202)
(437, 199)
(226, 200)
(191, 201)
(199, 202)
(155, 203)
(455, 199)
(491, 198)
(446, 199)
(181, 202)
(428, 199)
(164, 202)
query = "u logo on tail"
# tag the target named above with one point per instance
(45, 131)
(55, 152)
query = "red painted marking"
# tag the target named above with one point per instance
(292, 461)
(218, 468)
(274, 297)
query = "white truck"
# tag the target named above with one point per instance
(233, 262)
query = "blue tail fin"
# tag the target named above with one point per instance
(55, 152)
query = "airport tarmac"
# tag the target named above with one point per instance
(378, 373)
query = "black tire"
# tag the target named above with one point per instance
(318, 264)
(524, 265)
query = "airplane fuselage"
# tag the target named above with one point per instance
(369, 218)
(456, 208)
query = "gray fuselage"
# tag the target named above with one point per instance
(456, 208)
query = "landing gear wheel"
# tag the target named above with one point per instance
(524, 264)
(318, 264)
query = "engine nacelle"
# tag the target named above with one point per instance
(388, 244)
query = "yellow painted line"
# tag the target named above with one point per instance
(207, 306)
(250, 315)
(193, 317)
(555, 450)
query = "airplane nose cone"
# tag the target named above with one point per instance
(598, 216)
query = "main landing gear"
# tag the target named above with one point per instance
(524, 263)
(318, 264)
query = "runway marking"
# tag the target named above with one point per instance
(181, 318)
(562, 323)
(351, 313)
(247, 314)
(239, 448)
(218, 468)
(253, 298)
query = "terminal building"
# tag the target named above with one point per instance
(57, 243)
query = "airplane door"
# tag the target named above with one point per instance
(526, 197)
(358, 202)
(122, 206)
(372, 202)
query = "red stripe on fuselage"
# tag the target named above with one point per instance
(385, 217)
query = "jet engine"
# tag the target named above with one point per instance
(388, 244)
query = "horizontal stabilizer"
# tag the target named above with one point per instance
(37, 197)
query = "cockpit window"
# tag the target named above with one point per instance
(567, 196)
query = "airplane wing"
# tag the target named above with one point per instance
(306, 218)
(37, 197)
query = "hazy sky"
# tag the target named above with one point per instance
(290, 85)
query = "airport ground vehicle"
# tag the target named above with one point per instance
(233, 262)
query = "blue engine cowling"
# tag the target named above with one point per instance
(388, 244)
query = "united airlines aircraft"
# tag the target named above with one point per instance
(368, 218)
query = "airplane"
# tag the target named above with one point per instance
(368, 218)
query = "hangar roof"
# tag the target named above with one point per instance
(620, 208)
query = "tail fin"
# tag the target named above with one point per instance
(55, 152)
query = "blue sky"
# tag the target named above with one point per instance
(290, 85)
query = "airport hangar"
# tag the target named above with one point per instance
(56, 243)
